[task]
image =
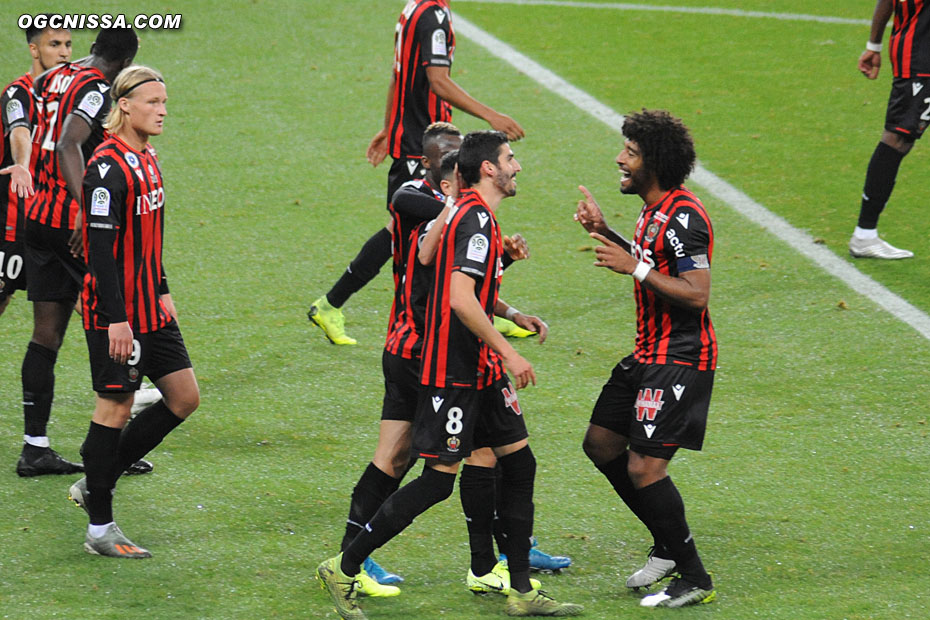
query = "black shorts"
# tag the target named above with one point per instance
(401, 387)
(451, 422)
(52, 273)
(154, 355)
(908, 107)
(12, 268)
(655, 406)
(405, 168)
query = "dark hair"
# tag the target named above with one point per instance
(666, 145)
(478, 147)
(33, 31)
(116, 44)
(447, 165)
(435, 130)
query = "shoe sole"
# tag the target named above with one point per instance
(31, 473)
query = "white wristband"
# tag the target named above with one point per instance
(641, 271)
(510, 313)
(873, 47)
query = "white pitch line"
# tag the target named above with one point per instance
(699, 10)
(720, 189)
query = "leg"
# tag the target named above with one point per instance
(518, 474)
(477, 493)
(325, 312)
(398, 511)
(50, 321)
(662, 502)
(381, 478)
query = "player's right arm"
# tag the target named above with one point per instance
(378, 147)
(590, 216)
(15, 103)
(870, 62)
(104, 198)
(430, 242)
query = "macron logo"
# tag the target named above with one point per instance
(103, 88)
(437, 403)
(440, 15)
(650, 429)
(916, 86)
(678, 390)
(412, 166)
(482, 219)
(683, 219)
(103, 169)
(11, 91)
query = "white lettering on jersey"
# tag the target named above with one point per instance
(91, 104)
(643, 255)
(100, 202)
(150, 201)
(477, 248)
(439, 43)
(675, 242)
(14, 111)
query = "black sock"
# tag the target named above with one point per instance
(38, 374)
(101, 455)
(516, 510)
(476, 489)
(362, 269)
(396, 513)
(666, 510)
(369, 493)
(144, 432)
(617, 473)
(879, 181)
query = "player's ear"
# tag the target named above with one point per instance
(424, 161)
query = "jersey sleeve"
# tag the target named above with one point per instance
(434, 34)
(411, 202)
(104, 196)
(473, 244)
(91, 102)
(688, 237)
(16, 109)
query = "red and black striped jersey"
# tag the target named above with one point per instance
(909, 47)
(471, 244)
(412, 207)
(66, 89)
(124, 201)
(673, 236)
(423, 38)
(17, 109)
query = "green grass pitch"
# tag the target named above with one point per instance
(810, 499)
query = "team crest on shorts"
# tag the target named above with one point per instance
(133, 374)
(453, 443)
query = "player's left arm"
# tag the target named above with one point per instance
(526, 321)
(463, 302)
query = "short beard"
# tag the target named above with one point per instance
(500, 180)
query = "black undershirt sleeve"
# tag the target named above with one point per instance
(102, 265)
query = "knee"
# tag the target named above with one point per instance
(596, 451)
(184, 403)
